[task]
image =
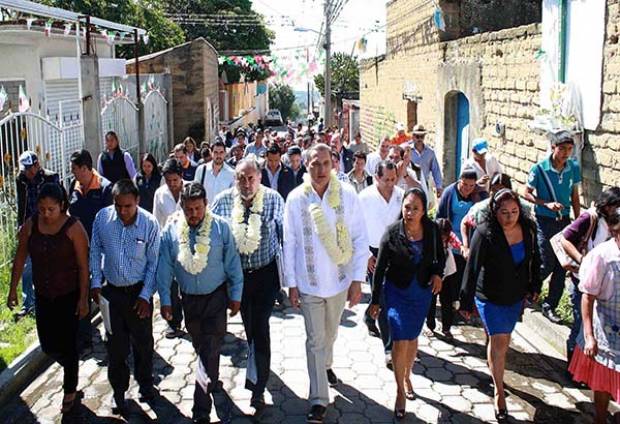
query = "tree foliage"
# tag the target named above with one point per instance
(224, 37)
(345, 75)
(281, 97)
(147, 14)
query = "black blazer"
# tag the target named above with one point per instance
(347, 159)
(286, 180)
(300, 175)
(395, 261)
(491, 273)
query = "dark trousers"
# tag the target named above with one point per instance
(85, 330)
(205, 320)
(575, 298)
(260, 288)
(128, 330)
(547, 228)
(57, 327)
(448, 294)
(177, 307)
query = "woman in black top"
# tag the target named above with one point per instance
(501, 272)
(148, 180)
(409, 268)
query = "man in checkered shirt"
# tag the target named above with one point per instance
(259, 262)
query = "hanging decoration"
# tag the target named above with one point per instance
(3, 97)
(292, 68)
(67, 30)
(24, 103)
(29, 22)
(48, 28)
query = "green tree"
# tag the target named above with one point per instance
(148, 14)
(345, 76)
(281, 97)
(251, 34)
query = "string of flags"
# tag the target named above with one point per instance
(110, 37)
(291, 68)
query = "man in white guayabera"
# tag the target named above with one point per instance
(325, 259)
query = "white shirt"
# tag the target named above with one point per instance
(164, 205)
(492, 165)
(378, 213)
(215, 184)
(372, 161)
(295, 271)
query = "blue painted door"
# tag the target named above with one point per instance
(462, 132)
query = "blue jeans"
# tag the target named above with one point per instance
(547, 228)
(575, 300)
(27, 286)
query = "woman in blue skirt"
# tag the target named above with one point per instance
(409, 268)
(501, 272)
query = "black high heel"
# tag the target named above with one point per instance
(501, 415)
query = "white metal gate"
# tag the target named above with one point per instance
(156, 125)
(120, 115)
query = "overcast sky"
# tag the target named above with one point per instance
(358, 18)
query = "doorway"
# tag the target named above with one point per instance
(412, 114)
(456, 141)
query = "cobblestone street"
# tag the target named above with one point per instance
(451, 381)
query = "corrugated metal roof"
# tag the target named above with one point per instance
(37, 9)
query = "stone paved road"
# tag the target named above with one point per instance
(451, 380)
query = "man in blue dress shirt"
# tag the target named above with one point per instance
(123, 252)
(198, 251)
(246, 205)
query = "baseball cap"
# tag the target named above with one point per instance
(27, 159)
(562, 137)
(480, 146)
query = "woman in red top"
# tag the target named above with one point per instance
(58, 247)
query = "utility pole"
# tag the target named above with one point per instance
(307, 62)
(328, 70)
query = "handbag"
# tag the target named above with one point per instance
(556, 243)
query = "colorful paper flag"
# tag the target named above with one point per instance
(24, 103)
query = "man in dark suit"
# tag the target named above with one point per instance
(296, 164)
(276, 175)
(346, 155)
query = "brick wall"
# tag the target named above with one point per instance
(498, 73)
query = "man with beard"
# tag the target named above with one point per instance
(216, 176)
(255, 213)
(325, 261)
(198, 251)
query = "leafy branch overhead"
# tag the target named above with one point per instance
(345, 76)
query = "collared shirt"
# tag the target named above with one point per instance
(273, 177)
(124, 254)
(378, 212)
(223, 264)
(271, 225)
(254, 149)
(164, 205)
(215, 184)
(427, 161)
(562, 183)
(372, 161)
(295, 267)
(85, 202)
(358, 185)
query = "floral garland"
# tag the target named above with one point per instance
(196, 262)
(247, 236)
(338, 246)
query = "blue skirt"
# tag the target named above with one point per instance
(498, 319)
(407, 309)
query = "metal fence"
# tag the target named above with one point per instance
(120, 115)
(156, 124)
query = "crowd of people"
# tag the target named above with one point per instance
(227, 224)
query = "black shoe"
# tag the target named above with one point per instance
(173, 333)
(259, 405)
(332, 379)
(25, 311)
(551, 315)
(373, 330)
(316, 415)
(501, 415)
(148, 394)
(119, 403)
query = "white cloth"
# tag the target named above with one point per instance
(164, 205)
(372, 161)
(215, 184)
(378, 213)
(450, 267)
(326, 270)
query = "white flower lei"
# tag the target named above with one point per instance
(196, 262)
(247, 236)
(338, 245)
